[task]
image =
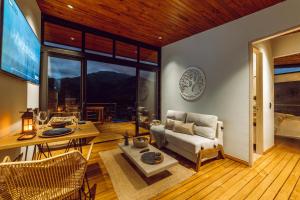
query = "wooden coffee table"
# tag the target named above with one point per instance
(148, 170)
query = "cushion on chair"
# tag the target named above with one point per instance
(185, 128)
(204, 125)
(176, 115)
(190, 143)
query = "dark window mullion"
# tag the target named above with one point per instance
(114, 48)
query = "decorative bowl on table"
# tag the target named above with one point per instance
(140, 142)
(67, 120)
(56, 132)
(152, 158)
(58, 124)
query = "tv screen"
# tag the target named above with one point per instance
(20, 46)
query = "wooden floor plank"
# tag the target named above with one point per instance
(296, 192)
(274, 188)
(290, 184)
(263, 185)
(230, 187)
(193, 183)
(203, 170)
(209, 189)
(250, 182)
(199, 184)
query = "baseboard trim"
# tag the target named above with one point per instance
(237, 159)
(269, 149)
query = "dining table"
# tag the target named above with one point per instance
(76, 140)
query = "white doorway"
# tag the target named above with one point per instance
(257, 102)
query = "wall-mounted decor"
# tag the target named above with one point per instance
(192, 83)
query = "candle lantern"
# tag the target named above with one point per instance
(28, 131)
(59, 108)
(27, 122)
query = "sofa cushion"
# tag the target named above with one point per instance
(185, 128)
(176, 115)
(204, 125)
(190, 143)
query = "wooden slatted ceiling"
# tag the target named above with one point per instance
(147, 21)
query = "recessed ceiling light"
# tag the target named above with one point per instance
(72, 38)
(159, 37)
(70, 6)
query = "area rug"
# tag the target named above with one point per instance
(130, 184)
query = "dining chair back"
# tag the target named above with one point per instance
(58, 177)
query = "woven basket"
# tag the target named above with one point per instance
(140, 142)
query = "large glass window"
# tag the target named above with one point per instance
(147, 99)
(117, 97)
(112, 87)
(63, 84)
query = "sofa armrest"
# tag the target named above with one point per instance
(160, 129)
(220, 132)
(158, 133)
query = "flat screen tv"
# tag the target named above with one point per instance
(20, 53)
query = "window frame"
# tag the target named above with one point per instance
(84, 56)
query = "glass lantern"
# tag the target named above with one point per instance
(27, 122)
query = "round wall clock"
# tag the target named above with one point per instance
(192, 83)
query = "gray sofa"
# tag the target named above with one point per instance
(205, 143)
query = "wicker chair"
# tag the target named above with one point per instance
(58, 177)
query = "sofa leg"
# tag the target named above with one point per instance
(199, 161)
(207, 153)
(150, 139)
(221, 151)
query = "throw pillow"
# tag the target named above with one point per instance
(205, 125)
(186, 128)
(203, 131)
(169, 124)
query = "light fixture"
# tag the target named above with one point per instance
(159, 37)
(70, 6)
(72, 38)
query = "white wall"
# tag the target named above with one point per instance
(32, 95)
(268, 93)
(286, 45)
(12, 101)
(223, 54)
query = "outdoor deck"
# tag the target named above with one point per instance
(114, 131)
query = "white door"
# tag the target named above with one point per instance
(258, 100)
